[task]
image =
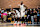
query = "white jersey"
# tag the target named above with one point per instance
(22, 9)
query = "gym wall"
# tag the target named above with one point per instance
(14, 3)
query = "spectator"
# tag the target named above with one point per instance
(4, 16)
(31, 14)
(38, 16)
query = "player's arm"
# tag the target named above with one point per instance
(26, 7)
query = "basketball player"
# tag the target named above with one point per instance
(22, 9)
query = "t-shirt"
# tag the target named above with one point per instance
(38, 13)
(1, 15)
(28, 13)
(2, 11)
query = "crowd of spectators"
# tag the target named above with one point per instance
(31, 15)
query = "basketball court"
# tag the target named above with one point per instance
(12, 25)
(6, 25)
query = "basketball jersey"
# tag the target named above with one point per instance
(22, 7)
